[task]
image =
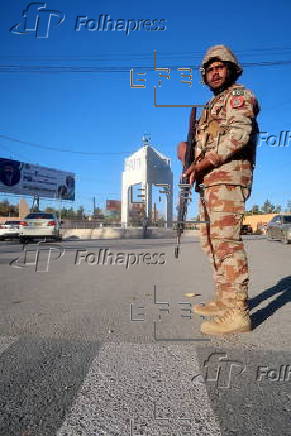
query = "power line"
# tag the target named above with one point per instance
(63, 150)
(139, 55)
(79, 178)
(11, 152)
(44, 69)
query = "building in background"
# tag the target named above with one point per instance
(136, 213)
(113, 210)
(146, 167)
(113, 206)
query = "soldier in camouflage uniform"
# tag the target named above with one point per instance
(224, 160)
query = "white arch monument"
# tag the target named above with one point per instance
(147, 167)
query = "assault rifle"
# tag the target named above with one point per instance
(186, 154)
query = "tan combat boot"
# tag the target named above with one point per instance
(233, 321)
(212, 308)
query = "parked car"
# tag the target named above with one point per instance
(279, 228)
(246, 229)
(40, 225)
(9, 230)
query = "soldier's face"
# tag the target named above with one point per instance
(216, 74)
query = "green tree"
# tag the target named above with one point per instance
(268, 207)
(278, 209)
(68, 213)
(7, 209)
(4, 208)
(255, 209)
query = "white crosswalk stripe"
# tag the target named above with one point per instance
(134, 389)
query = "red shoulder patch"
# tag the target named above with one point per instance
(237, 101)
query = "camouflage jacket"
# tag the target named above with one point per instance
(228, 128)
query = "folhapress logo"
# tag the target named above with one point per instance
(220, 370)
(40, 258)
(38, 20)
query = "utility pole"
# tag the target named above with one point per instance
(94, 206)
(60, 208)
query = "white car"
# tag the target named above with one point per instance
(9, 230)
(40, 225)
(280, 228)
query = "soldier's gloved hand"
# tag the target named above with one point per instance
(210, 161)
(192, 178)
(191, 173)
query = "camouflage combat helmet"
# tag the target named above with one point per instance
(224, 54)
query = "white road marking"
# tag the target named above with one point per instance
(146, 389)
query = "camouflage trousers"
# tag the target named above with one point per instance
(223, 207)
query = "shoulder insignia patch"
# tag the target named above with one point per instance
(238, 92)
(237, 101)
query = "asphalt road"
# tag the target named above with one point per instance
(97, 338)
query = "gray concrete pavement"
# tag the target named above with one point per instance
(93, 342)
